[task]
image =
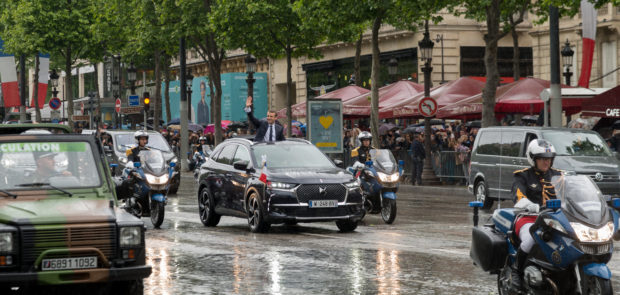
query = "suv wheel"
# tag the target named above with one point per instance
(346, 226)
(206, 208)
(256, 217)
(482, 195)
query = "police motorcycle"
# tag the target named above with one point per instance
(145, 184)
(379, 180)
(200, 157)
(573, 242)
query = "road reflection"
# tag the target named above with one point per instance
(159, 282)
(388, 271)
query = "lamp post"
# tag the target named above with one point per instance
(393, 68)
(250, 69)
(188, 82)
(440, 39)
(426, 55)
(54, 83)
(131, 77)
(567, 58)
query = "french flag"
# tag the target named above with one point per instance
(588, 15)
(263, 172)
(44, 68)
(8, 76)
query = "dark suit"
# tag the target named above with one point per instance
(262, 127)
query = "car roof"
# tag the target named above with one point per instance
(21, 127)
(254, 143)
(128, 131)
(533, 128)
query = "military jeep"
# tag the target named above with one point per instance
(61, 230)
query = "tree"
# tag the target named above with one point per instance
(265, 28)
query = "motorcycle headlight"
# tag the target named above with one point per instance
(589, 234)
(388, 177)
(555, 224)
(353, 184)
(280, 185)
(6, 242)
(130, 236)
(152, 179)
(123, 160)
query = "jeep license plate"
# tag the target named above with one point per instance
(323, 204)
(69, 263)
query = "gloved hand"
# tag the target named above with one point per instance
(532, 208)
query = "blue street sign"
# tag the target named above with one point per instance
(134, 100)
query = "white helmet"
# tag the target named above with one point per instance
(364, 135)
(539, 148)
(140, 133)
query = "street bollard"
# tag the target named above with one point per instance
(476, 205)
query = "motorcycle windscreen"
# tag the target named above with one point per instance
(153, 160)
(384, 161)
(581, 198)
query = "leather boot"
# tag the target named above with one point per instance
(517, 269)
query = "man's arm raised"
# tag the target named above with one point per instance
(248, 111)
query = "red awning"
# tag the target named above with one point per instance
(446, 94)
(522, 96)
(390, 94)
(605, 105)
(344, 93)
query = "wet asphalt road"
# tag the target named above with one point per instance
(425, 251)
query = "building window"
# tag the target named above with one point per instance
(609, 64)
(472, 61)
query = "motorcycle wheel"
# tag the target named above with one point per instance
(597, 286)
(206, 208)
(157, 214)
(388, 210)
(503, 281)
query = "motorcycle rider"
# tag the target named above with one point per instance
(531, 189)
(362, 152)
(200, 151)
(142, 139)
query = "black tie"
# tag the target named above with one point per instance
(270, 132)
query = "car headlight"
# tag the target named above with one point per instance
(130, 236)
(152, 179)
(122, 160)
(589, 234)
(6, 242)
(353, 184)
(388, 177)
(280, 185)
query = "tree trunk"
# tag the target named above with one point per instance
(68, 88)
(374, 79)
(490, 63)
(157, 102)
(99, 117)
(35, 91)
(358, 57)
(214, 75)
(516, 69)
(289, 90)
(167, 89)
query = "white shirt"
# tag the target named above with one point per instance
(273, 130)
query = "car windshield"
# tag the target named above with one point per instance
(291, 156)
(126, 141)
(577, 143)
(60, 164)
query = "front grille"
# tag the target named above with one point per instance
(595, 249)
(607, 177)
(307, 192)
(98, 235)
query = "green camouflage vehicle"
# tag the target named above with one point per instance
(54, 128)
(60, 228)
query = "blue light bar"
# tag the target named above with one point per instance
(615, 202)
(554, 204)
(475, 204)
(369, 163)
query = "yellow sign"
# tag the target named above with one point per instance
(326, 121)
(327, 144)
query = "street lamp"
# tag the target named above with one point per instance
(250, 69)
(54, 82)
(440, 39)
(188, 81)
(131, 77)
(393, 68)
(426, 55)
(567, 58)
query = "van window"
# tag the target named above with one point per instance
(489, 143)
(577, 143)
(511, 143)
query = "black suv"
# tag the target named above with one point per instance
(297, 184)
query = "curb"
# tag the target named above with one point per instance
(446, 189)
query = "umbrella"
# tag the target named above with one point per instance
(433, 122)
(411, 129)
(176, 121)
(235, 125)
(474, 124)
(385, 127)
(191, 126)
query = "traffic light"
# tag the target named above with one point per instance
(146, 101)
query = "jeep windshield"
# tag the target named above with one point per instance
(24, 165)
(291, 156)
(577, 143)
(125, 141)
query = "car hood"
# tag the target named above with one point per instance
(586, 164)
(305, 176)
(54, 210)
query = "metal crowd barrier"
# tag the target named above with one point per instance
(451, 166)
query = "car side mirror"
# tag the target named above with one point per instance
(241, 165)
(339, 163)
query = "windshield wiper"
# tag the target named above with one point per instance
(39, 184)
(14, 196)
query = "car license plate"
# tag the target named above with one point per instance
(69, 263)
(323, 204)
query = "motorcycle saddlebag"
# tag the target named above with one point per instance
(488, 248)
(123, 188)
